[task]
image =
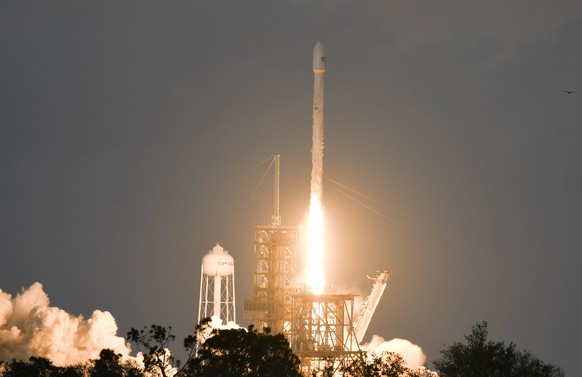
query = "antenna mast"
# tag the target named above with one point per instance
(276, 219)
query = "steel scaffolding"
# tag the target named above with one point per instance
(274, 277)
(322, 332)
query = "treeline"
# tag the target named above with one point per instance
(249, 353)
(108, 364)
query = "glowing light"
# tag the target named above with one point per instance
(314, 272)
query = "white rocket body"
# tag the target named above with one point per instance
(317, 143)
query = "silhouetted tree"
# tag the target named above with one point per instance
(35, 366)
(387, 364)
(77, 370)
(384, 364)
(42, 367)
(241, 353)
(155, 341)
(110, 364)
(479, 357)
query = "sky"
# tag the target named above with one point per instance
(131, 137)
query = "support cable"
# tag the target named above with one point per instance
(361, 202)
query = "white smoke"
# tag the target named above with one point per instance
(411, 353)
(30, 327)
(217, 323)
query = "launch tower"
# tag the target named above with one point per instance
(275, 270)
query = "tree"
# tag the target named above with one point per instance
(387, 364)
(242, 353)
(35, 366)
(42, 367)
(479, 357)
(384, 364)
(76, 370)
(110, 364)
(156, 340)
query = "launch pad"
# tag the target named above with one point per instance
(322, 334)
(320, 326)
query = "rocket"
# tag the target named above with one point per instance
(317, 142)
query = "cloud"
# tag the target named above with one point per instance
(411, 353)
(30, 327)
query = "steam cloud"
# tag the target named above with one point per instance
(30, 327)
(411, 353)
(217, 323)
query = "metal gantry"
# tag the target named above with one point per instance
(274, 278)
(371, 302)
(275, 270)
(322, 332)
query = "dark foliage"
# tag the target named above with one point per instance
(241, 353)
(110, 364)
(41, 367)
(385, 364)
(155, 341)
(479, 357)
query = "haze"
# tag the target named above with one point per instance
(128, 128)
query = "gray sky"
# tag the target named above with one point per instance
(125, 128)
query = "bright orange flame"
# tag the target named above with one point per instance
(314, 271)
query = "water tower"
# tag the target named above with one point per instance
(217, 286)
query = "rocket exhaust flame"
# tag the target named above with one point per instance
(315, 278)
(315, 273)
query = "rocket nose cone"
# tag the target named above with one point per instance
(319, 49)
(319, 58)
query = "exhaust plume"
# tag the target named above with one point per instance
(30, 327)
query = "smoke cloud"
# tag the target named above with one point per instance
(217, 323)
(30, 327)
(411, 353)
